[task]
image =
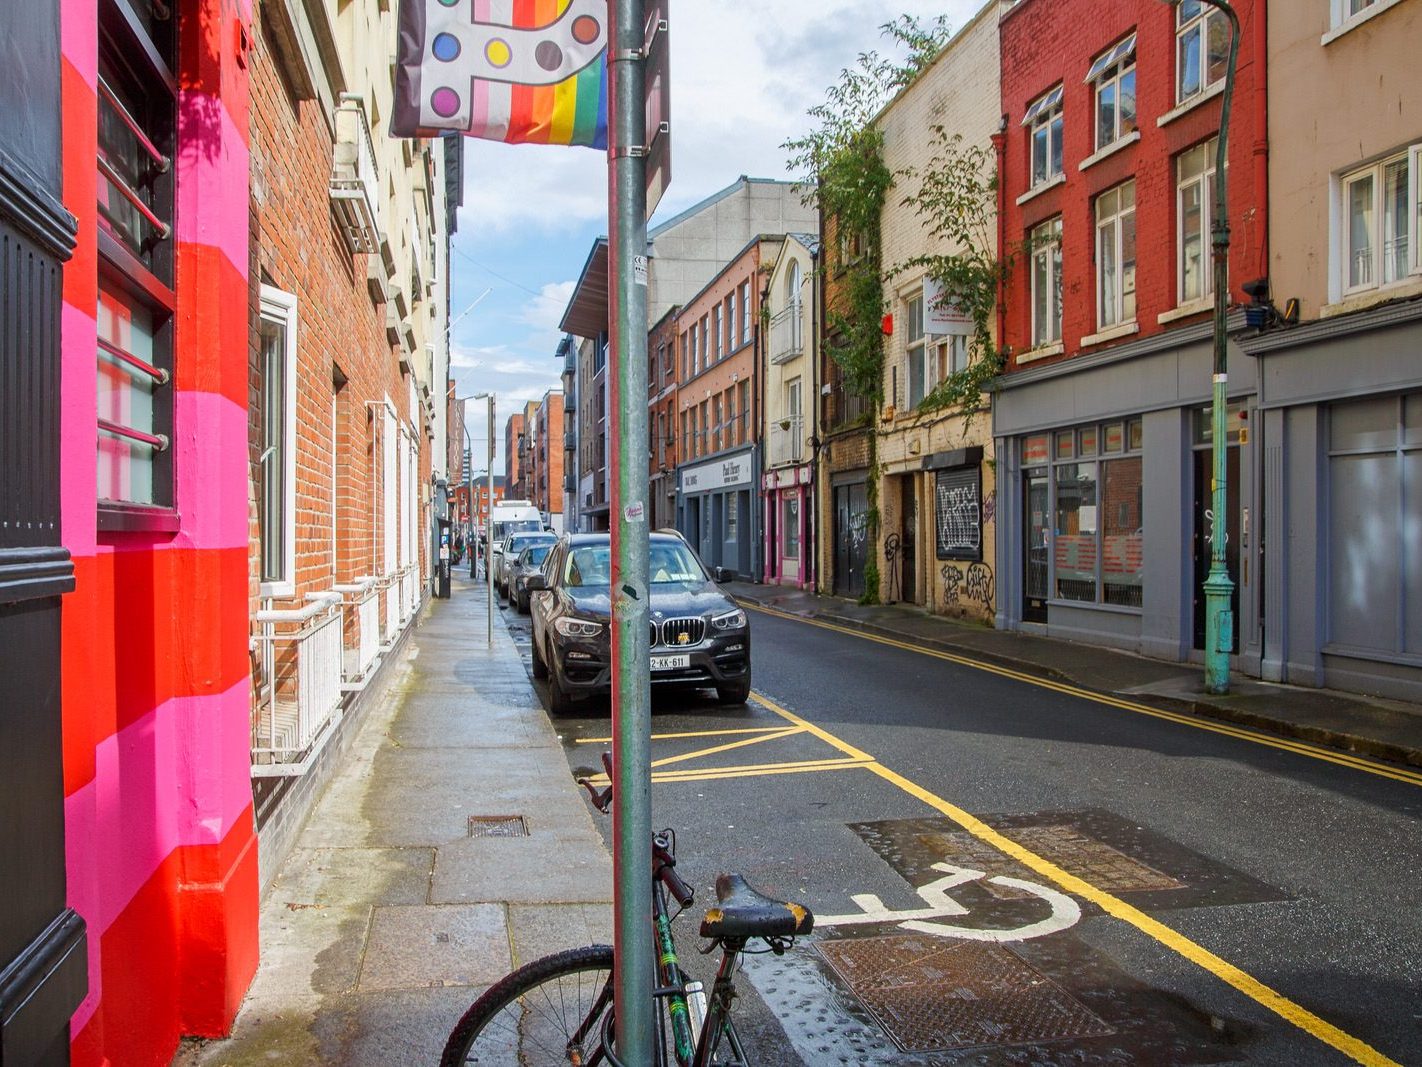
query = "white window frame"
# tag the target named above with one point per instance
(1045, 241)
(390, 430)
(716, 337)
(1199, 23)
(731, 322)
(281, 307)
(1044, 115)
(1376, 172)
(915, 349)
(1206, 180)
(1110, 69)
(745, 312)
(1112, 228)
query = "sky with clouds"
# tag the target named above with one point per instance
(743, 73)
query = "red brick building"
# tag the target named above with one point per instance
(1107, 194)
(514, 455)
(662, 362)
(545, 445)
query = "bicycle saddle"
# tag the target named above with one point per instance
(744, 912)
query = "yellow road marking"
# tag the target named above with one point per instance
(666, 777)
(727, 747)
(1300, 748)
(688, 733)
(1227, 972)
(691, 773)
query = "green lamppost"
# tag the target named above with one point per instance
(1218, 588)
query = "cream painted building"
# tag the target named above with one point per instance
(936, 485)
(790, 356)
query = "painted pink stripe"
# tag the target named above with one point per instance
(213, 162)
(79, 38)
(78, 408)
(211, 458)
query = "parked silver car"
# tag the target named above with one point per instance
(529, 561)
(505, 554)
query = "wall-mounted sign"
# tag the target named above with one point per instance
(718, 474)
(942, 317)
(958, 514)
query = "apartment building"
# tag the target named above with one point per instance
(515, 457)
(662, 356)
(1101, 419)
(567, 355)
(546, 447)
(1337, 420)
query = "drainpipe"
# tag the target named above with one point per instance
(1259, 13)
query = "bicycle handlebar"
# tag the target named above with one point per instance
(663, 862)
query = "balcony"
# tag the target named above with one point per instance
(355, 181)
(299, 697)
(787, 442)
(786, 335)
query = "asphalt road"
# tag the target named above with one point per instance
(1119, 888)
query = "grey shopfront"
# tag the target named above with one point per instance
(1341, 411)
(1103, 517)
(719, 513)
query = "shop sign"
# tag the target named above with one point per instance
(958, 512)
(718, 474)
(942, 317)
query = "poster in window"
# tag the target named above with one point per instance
(958, 514)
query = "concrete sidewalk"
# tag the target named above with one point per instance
(1387, 729)
(390, 916)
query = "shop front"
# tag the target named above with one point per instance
(717, 512)
(788, 495)
(1104, 520)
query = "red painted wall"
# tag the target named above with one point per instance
(1049, 41)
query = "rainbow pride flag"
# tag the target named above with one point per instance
(520, 71)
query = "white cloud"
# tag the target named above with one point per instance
(545, 311)
(468, 357)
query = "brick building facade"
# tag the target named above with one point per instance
(663, 356)
(547, 450)
(514, 456)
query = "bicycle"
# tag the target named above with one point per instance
(558, 1009)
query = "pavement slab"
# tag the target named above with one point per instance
(411, 947)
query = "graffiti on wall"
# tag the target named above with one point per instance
(975, 585)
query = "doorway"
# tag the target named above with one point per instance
(851, 538)
(1036, 572)
(908, 539)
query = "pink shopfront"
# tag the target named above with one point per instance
(788, 497)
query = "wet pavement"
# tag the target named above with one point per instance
(1009, 874)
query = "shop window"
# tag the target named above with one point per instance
(1201, 48)
(137, 134)
(1044, 131)
(276, 466)
(1114, 76)
(1045, 242)
(733, 516)
(1116, 255)
(790, 524)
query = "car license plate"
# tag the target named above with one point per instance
(670, 663)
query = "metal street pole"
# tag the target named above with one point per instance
(631, 674)
(489, 527)
(1218, 588)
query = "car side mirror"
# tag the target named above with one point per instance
(722, 575)
(535, 582)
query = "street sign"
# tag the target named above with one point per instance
(658, 70)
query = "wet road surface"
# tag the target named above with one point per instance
(1010, 871)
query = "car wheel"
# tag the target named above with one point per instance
(522, 599)
(734, 693)
(560, 701)
(540, 668)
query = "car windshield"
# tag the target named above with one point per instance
(518, 543)
(669, 564)
(534, 555)
(513, 526)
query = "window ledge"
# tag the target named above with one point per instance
(118, 517)
(1110, 150)
(1125, 329)
(1034, 354)
(1348, 25)
(1038, 190)
(1191, 104)
(1184, 311)
(1366, 298)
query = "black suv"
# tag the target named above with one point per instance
(699, 637)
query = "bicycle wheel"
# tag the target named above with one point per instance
(547, 1012)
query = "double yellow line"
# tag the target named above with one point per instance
(1356, 1049)
(1240, 733)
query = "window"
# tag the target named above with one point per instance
(716, 423)
(790, 524)
(705, 349)
(733, 516)
(745, 313)
(137, 133)
(918, 385)
(731, 321)
(1094, 547)
(1045, 243)
(705, 427)
(686, 434)
(949, 356)
(1116, 255)
(716, 347)
(276, 494)
(1044, 130)
(1202, 35)
(1114, 74)
(744, 388)
(1194, 214)
(1382, 216)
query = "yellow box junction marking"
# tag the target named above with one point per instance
(1297, 1015)
(688, 733)
(1300, 748)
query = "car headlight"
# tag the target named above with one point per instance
(577, 628)
(732, 620)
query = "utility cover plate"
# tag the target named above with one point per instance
(497, 826)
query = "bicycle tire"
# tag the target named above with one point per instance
(531, 1026)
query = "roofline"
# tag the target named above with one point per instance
(714, 198)
(989, 5)
(732, 262)
(671, 313)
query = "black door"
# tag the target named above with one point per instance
(43, 969)
(1035, 571)
(908, 546)
(851, 538)
(1205, 527)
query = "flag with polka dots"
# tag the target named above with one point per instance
(520, 71)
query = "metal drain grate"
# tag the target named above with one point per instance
(497, 826)
(1083, 855)
(932, 996)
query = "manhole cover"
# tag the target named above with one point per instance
(497, 826)
(932, 995)
(1082, 855)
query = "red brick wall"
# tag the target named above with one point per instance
(513, 470)
(1049, 41)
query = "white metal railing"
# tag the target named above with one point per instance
(360, 624)
(392, 610)
(409, 593)
(787, 443)
(355, 179)
(300, 695)
(787, 334)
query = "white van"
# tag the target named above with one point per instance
(511, 516)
